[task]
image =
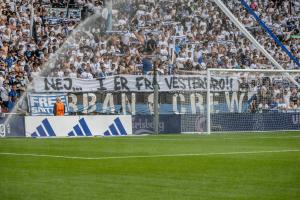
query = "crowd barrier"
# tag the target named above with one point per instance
(144, 124)
(122, 125)
(268, 121)
(12, 128)
(220, 122)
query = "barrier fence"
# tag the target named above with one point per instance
(122, 125)
(12, 128)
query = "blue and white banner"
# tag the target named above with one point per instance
(42, 104)
(73, 126)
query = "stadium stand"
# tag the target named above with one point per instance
(186, 37)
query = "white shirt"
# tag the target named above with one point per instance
(73, 75)
(86, 75)
(4, 94)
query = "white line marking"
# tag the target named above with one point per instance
(148, 156)
(200, 137)
(152, 138)
(265, 137)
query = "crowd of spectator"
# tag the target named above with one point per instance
(275, 98)
(269, 91)
(172, 36)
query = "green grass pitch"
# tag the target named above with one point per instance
(218, 166)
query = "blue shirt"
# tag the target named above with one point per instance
(9, 61)
(14, 95)
(147, 65)
(28, 54)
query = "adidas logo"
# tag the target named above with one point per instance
(44, 130)
(116, 128)
(81, 129)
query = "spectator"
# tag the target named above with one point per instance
(13, 96)
(173, 38)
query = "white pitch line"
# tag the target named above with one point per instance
(152, 138)
(264, 137)
(200, 137)
(147, 156)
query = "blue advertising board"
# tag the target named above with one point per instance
(269, 121)
(143, 124)
(14, 127)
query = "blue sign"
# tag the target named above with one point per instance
(268, 121)
(14, 127)
(255, 121)
(143, 124)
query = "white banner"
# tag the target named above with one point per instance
(74, 126)
(43, 104)
(135, 83)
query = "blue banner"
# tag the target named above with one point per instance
(270, 121)
(143, 124)
(14, 127)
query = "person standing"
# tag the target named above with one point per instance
(13, 97)
(59, 107)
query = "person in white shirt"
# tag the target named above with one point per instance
(254, 64)
(72, 73)
(86, 74)
(4, 90)
(286, 97)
